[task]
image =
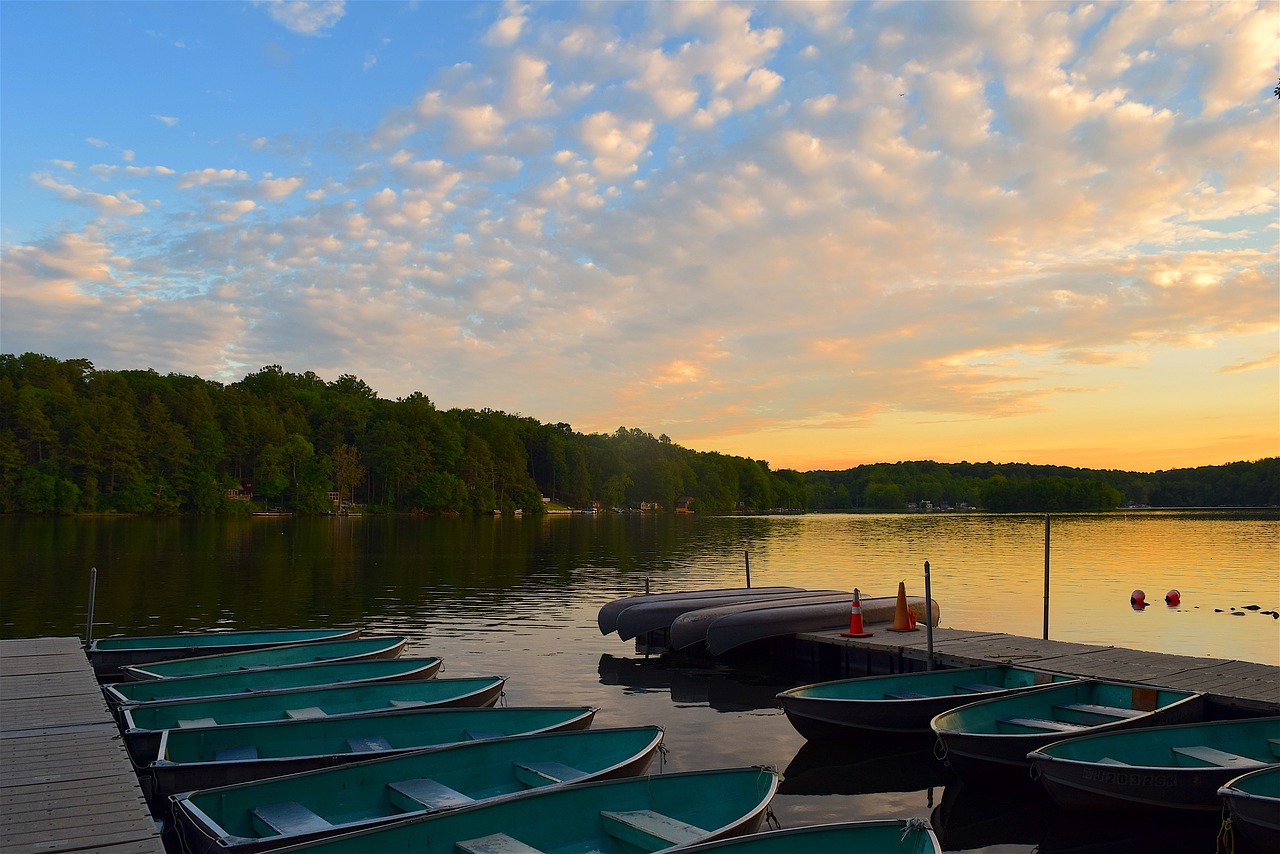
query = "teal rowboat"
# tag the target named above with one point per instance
(641, 814)
(206, 757)
(899, 703)
(1253, 803)
(1175, 767)
(356, 649)
(270, 679)
(1005, 729)
(897, 836)
(110, 654)
(144, 723)
(245, 818)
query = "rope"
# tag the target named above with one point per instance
(662, 756)
(1226, 841)
(940, 751)
(771, 820)
(913, 825)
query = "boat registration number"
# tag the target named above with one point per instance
(1131, 778)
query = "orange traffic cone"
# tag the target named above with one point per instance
(902, 619)
(855, 619)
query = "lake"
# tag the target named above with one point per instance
(519, 596)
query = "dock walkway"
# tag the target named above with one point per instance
(1240, 684)
(66, 782)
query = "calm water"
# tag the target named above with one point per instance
(520, 596)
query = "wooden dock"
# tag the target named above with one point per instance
(1242, 685)
(67, 782)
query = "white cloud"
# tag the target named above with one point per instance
(306, 17)
(167, 121)
(616, 144)
(278, 188)
(211, 176)
(105, 204)
(506, 30)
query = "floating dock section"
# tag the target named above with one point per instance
(68, 784)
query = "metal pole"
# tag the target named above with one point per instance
(1046, 576)
(646, 584)
(747, 557)
(928, 615)
(93, 592)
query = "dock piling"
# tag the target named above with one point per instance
(928, 617)
(93, 592)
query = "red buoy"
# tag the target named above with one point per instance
(1138, 600)
(1172, 598)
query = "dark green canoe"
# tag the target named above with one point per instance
(356, 649)
(144, 723)
(252, 816)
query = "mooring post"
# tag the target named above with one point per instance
(746, 556)
(646, 584)
(93, 592)
(928, 616)
(1046, 576)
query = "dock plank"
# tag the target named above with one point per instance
(68, 783)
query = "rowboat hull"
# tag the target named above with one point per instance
(145, 723)
(383, 791)
(269, 679)
(653, 616)
(208, 757)
(734, 630)
(1170, 767)
(610, 817)
(607, 618)
(899, 703)
(1253, 801)
(356, 649)
(110, 654)
(1004, 730)
(883, 837)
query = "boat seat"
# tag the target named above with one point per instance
(1042, 723)
(1107, 760)
(425, 793)
(904, 695)
(368, 744)
(303, 714)
(980, 688)
(649, 830)
(236, 754)
(193, 722)
(407, 704)
(1213, 756)
(1108, 711)
(480, 734)
(1275, 746)
(542, 773)
(494, 843)
(288, 818)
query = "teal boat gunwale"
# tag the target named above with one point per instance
(202, 831)
(914, 836)
(348, 649)
(1255, 814)
(110, 653)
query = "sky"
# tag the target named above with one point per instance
(815, 234)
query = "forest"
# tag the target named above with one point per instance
(75, 439)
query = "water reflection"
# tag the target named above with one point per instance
(865, 765)
(689, 681)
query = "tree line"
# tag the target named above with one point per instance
(75, 439)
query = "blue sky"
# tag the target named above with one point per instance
(812, 233)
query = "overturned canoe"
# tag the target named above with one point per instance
(357, 649)
(690, 629)
(1173, 767)
(734, 630)
(610, 817)
(1253, 802)
(890, 836)
(654, 616)
(144, 723)
(270, 679)
(109, 654)
(1005, 729)
(901, 702)
(607, 618)
(207, 757)
(268, 813)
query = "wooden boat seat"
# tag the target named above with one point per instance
(1042, 723)
(193, 722)
(1213, 756)
(904, 695)
(649, 830)
(236, 754)
(980, 687)
(288, 817)
(542, 773)
(480, 734)
(424, 793)
(1107, 711)
(368, 744)
(1107, 760)
(494, 843)
(303, 714)
(407, 704)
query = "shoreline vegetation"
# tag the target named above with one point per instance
(75, 440)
